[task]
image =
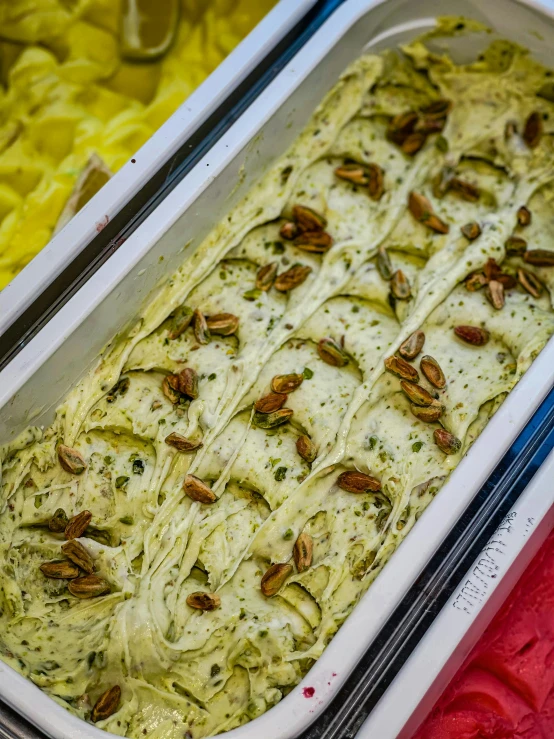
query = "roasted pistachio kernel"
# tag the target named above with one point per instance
(203, 601)
(532, 131)
(376, 186)
(303, 552)
(274, 578)
(539, 257)
(515, 246)
(315, 242)
(201, 330)
(77, 553)
(71, 460)
(416, 393)
(410, 348)
(271, 420)
(77, 525)
(332, 353)
(358, 482)
(106, 705)
(59, 521)
(529, 282)
(89, 586)
(197, 490)
(432, 371)
(292, 278)
(62, 570)
(447, 442)
(181, 443)
(428, 413)
(357, 174)
(422, 210)
(475, 282)
(306, 449)
(401, 368)
(471, 230)
(495, 294)
(270, 403)
(400, 286)
(222, 324)
(266, 276)
(472, 334)
(384, 264)
(523, 216)
(286, 383)
(288, 231)
(180, 321)
(308, 219)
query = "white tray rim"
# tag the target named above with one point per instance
(66, 245)
(295, 712)
(402, 699)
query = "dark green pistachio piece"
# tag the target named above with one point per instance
(332, 353)
(180, 321)
(120, 388)
(58, 522)
(271, 420)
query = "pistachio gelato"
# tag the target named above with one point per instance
(219, 491)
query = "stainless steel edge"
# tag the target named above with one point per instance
(37, 378)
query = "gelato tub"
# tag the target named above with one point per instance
(296, 407)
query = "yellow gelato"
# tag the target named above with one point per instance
(67, 94)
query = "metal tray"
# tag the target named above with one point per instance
(26, 287)
(32, 384)
(467, 614)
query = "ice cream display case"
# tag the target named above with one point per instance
(311, 475)
(91, 127)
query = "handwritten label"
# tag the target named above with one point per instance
(481, 578)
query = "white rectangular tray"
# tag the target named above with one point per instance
(78, 233)
(441, 652)
(38, 377)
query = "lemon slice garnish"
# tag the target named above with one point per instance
(148, 28)
(92, 178)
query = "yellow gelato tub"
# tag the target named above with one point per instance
(84, 85)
